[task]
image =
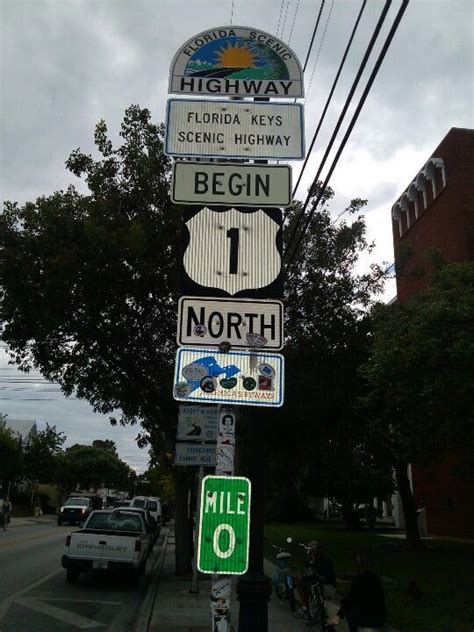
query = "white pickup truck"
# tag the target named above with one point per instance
(109, 540)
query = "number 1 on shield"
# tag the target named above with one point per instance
(233, 235)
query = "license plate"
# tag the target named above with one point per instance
(99, 564)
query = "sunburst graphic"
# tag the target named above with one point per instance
(237, 56)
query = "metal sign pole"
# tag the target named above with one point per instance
(194, 582)
(221, 584)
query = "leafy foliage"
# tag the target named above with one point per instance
(40, 455)
(421, 371)
(88, 287)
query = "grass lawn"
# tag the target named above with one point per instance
(444, 572)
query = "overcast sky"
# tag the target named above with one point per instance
(65, 64)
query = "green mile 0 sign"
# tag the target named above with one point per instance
(224, 524)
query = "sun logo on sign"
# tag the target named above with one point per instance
(237, 56)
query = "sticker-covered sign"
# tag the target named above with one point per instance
(232, 251)
(224, 523)
(233, 184)
(194, 454)
(197, 423)
(234, 129)
(236, 61)
(244, 323)
(235, 377)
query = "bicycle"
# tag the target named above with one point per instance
(317, 615)
(283, 582)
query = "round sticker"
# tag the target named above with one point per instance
(256, 340)
(200, 330)
(194, 371)
(249, 383)
(183, 389)
(208, 384)
(266, 369)
(228, 382)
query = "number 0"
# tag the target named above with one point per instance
(215, 541)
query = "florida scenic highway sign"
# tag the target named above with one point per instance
(236, 61)
(239, 185)
(236, 377)
(224, 525)
(244, 323)
(233, 252)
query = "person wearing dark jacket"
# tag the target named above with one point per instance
(364, 607)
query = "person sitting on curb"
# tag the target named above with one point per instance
(364, 608)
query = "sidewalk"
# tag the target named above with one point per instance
(27, 521)
(177, 610)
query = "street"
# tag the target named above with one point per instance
(34, 594)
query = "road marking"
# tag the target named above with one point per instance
(9, 600)
(77, 620)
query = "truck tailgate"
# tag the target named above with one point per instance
(103, 546)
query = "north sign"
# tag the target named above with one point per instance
(224, 525)
(233, 184)
(194, 454)
(245, 324)
(234, 129)
(236, 377)
(197, 423)
(236, 61)
(233, 252)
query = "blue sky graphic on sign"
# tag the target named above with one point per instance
(236, 57)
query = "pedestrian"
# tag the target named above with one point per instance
(364, 608)
(6, 511)
(37, 507)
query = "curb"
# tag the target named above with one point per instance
(146, 610)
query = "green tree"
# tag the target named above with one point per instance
(40, 458)
(10, 453)
(420, 375)
(88, 286)
(91, 468)
(105, 444)
(326, 303)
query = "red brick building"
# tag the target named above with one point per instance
(436, 212)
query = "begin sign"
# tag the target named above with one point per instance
(238, 185)
(223, 545)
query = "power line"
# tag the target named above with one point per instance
(279, 17)
(319, 51)
(294, 20)
(284, 19)
(336, 79)
(341, 117)
(232, 12)
(353, 121)
(310, 47)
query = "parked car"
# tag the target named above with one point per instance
(111, 540)
(151, 524)
(152, 503)
(75, 510)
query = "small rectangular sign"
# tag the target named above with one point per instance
(245, 324)
(197, 423)
(237, 185)
(224, 525)
(236, 377)
(195, 454)
(234, 129)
